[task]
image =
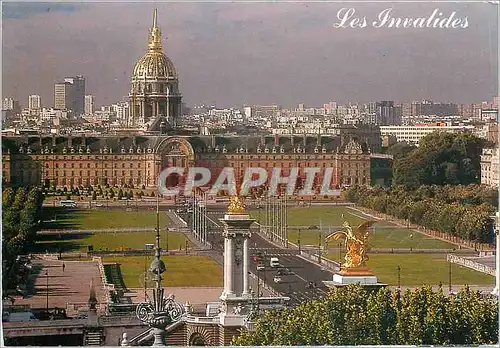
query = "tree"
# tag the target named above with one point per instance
(441, 158)
(400, 150)
(355, 316)
(120, 194)
(94, 195)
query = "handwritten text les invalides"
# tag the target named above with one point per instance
(347, 18)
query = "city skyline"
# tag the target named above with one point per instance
(262, 53)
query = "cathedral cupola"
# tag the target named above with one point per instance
(155, 100)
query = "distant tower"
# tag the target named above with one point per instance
(70, 95)
(34, 102)
(89, 104)
(154, 95)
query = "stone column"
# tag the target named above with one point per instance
(225, 267)
(230, 274)
(245, 265)
(235, 300)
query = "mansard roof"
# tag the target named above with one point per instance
(200, 144)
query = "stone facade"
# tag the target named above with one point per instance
(137, 160)
(489, 167)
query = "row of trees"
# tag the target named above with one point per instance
(474, 194)
(353, 316)
(21, 217)
(430, 207)
(441, 158)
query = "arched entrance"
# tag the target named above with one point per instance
(197, 339)
(175, 152)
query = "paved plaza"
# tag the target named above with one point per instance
(71, 285)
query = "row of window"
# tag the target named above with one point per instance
(127, 157)
(97, 173)
(96, 165)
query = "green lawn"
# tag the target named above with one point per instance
(383, 237)
(313, 216)
(109, 241)
(188, 271)
(99, 219)
(420, 269)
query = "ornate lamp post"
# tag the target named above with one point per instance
(159, 312)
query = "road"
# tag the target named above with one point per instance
(295, 284)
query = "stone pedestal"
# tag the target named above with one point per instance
(362, 276)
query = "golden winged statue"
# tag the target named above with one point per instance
(356, 242)
(236, 206)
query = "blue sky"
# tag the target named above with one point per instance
(255, 53)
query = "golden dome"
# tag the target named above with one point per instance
(154, 63)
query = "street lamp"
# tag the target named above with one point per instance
(340, 253)
(319, 246)
(158, 312)
(399, 278)
(298, 241)
(47, 277)
(449, 277)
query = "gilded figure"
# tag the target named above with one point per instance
(356, 242)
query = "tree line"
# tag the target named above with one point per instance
(462, 211)
(21, 218)
(441, 158)
(355, 316)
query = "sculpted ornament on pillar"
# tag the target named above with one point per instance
(236, 206)
(228, 234)
(238, 252)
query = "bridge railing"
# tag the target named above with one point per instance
(113, 320)
(462, 261)
(106, 286)
(46, 323)
(332, 266)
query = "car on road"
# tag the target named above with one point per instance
(99, 205)
(277, 279)
(274, 262)
(260, 266)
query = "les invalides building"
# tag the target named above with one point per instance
(137, 160)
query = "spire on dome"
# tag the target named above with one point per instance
(154, 43)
